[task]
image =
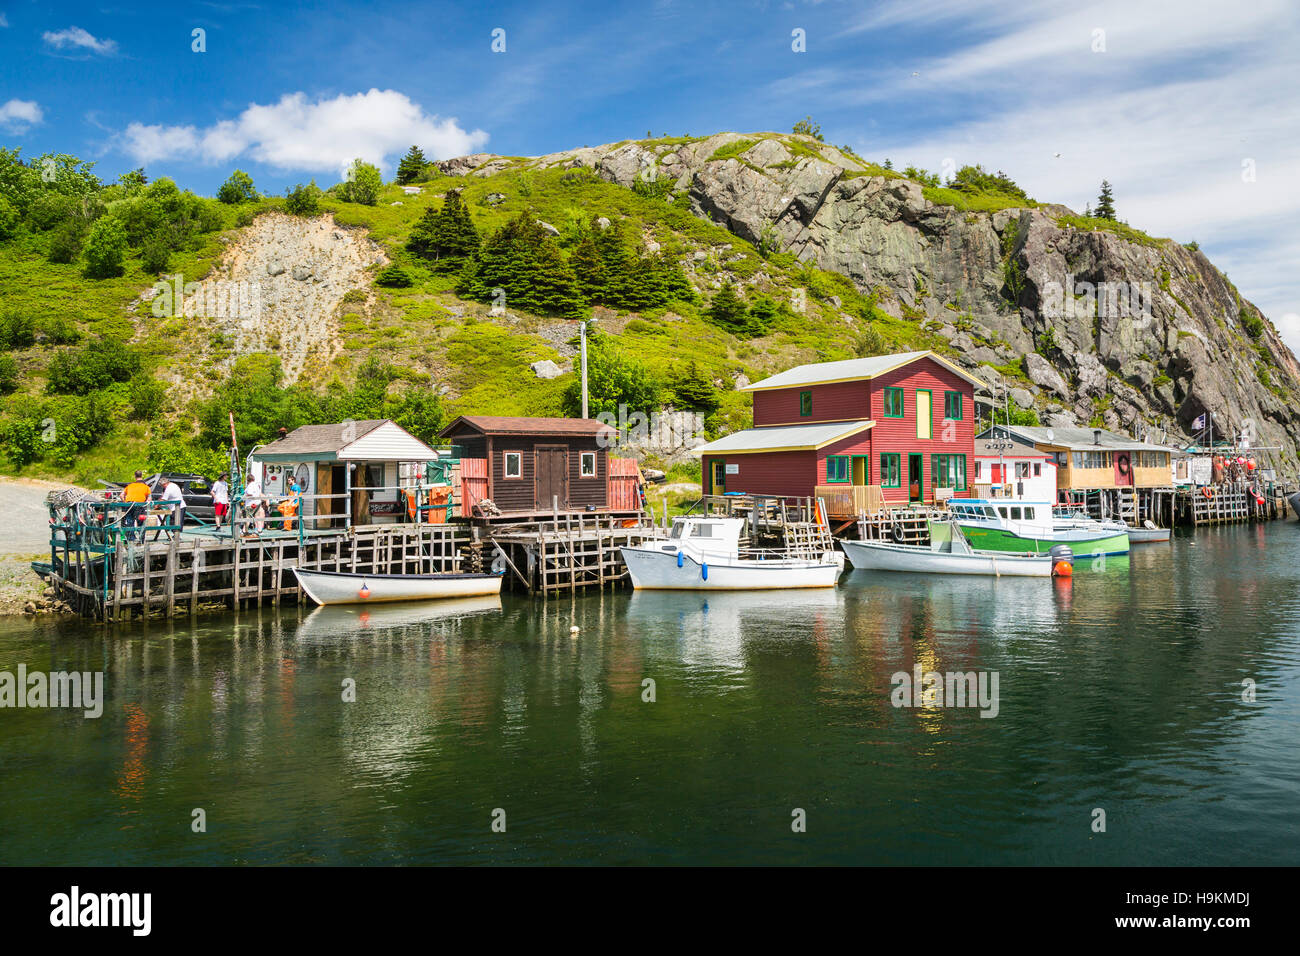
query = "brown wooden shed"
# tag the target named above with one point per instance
(526, 466)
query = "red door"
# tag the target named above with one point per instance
(997, 474)
(1123, 469)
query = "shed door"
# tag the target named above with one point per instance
(552, 471)
(1123, 469)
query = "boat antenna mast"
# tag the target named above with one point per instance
(236, 475)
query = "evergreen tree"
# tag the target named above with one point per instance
(1105, 203)
(411, 166)
(728, 311)
(589, 271)
(524, 261)
(694, 389)
(445, 235)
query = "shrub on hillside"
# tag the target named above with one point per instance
(93, 366)
(302, 200)
(105, 248)
(237, 189)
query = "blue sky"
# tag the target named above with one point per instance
(1190, 111)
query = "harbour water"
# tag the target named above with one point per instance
(1121, 690)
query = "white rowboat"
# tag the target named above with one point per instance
(341, 587)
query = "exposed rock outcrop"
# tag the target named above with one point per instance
(1143, 335)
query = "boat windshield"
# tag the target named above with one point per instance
(678, 527)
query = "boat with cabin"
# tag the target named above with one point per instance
(949, 552)
(1146, 533)
(704, 554)
(342, 587)
(1019, 526)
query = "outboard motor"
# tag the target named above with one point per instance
(1062, 556)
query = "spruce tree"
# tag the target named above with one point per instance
(727, 310)
(589, 271)
(521, 259)
(1105, 203)
(446, 235)
(411, 166)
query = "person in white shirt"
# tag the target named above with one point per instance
(253, 504)
(176, 518)
(220, 500)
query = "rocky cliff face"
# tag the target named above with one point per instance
(1141, 335)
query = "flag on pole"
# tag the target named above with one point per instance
(1200, 422)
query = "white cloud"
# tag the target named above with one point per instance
(1288, 326)
(3, 22)
(77, 38)
(296, 133)
(18, 115)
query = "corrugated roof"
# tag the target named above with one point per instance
(783, 438)
(1078, 439)
(505, 425)
(312, 439)
(849, 370)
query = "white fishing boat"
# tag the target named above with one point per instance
(704, 554)
(1078, 520)
(950, 553)
(1017, 526)
(343, 587)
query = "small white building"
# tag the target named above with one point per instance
(1005, 467)
(363, 466)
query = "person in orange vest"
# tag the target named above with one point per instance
(137, 493)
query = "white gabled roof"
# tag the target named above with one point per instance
(783, 438)
(850, 370)
(375, 439)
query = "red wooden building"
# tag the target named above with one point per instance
(530, 466)
(901, 423)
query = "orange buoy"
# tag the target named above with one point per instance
(1063, 569)
(364, 592)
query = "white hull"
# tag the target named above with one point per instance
(329, 587)
(1147, 535)
(327, 625)
(653, 569)
(886, 556)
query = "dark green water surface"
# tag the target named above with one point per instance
(1121, 690)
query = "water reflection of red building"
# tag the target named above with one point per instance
(130, 780)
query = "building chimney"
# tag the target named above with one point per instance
(1096, 436)
(282, 432)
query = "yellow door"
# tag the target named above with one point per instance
(924, 420)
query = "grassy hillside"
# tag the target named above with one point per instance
(428, 337)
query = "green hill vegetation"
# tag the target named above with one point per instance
(487, 275)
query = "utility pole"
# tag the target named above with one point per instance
(584, 366)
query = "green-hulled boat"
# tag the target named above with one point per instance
(1007, 524)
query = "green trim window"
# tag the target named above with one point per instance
(837, 469)
(948, 471)
(891, 470)
(805, 404)
(952, 406)
(893, 399)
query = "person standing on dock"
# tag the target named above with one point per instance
(137, 493)
(220, 500)
(173, 497)
(253, 505)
